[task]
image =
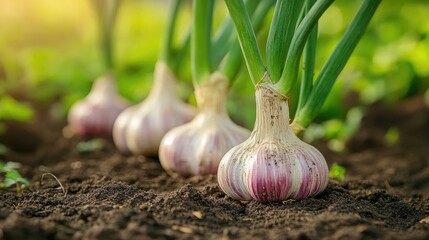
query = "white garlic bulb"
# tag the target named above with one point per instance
(94, 115)
(119, 135)
(140, 128)
(273, 164)
(197, 147)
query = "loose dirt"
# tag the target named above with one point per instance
(109, 196)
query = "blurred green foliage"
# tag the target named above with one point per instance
(12, 109)
(392, 136)
(89, 146)
(390, 63)
(337, 172)
(10, 176)
(49, 51)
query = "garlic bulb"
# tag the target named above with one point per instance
(119, 136)
(273, 164)
(140, 129)
(94, 115)
(197, 147)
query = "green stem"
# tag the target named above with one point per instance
(301, 15)
(247, 38)
(309, 63)
(181, 53)
(336, 62)
(221, 43)
(167, 42)
(107, 12)
(232, 63)
(291, 68)
(200, 39)
(282, 29)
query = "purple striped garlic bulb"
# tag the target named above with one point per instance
(197, 147)
(94, 115)
(273, 164)
(139, 129)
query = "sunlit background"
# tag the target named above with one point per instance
(49, 53)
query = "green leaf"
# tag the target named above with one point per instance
(11, 166)
(309, 62)
(336, 145)
(107, 13)
(336, 62)
(337, 172)
(392, 136)
(9, 182)
(167, 42)
(353, 120)
(13, 175)
(291, 66)
(24, 182)
(14, 110)
(220, 42)
(89, 146)
(247, 38)
(200, 39)
(333, 128)
(232, 62)
(313, 132)
(282, 29)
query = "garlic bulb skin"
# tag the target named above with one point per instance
(197, 147)
(139, 129)
(119, 136)
(94, 115)
(273, 164)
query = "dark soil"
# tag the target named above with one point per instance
(109, 196)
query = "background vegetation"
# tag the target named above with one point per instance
(49, 52)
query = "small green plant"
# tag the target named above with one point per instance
(392, 136)
(89, 146)
(10, 109)
(10, 175)
(337, 172)
(13, 110)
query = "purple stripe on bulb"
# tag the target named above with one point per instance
(179, 164)
(215, 147)
(269, 178)
(306, 177)
(315, 172)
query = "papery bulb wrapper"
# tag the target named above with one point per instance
(119, 135)
(95, 115)
(273, 164)
(197, 147)
(140, 128)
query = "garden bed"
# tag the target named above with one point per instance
(110, 196)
